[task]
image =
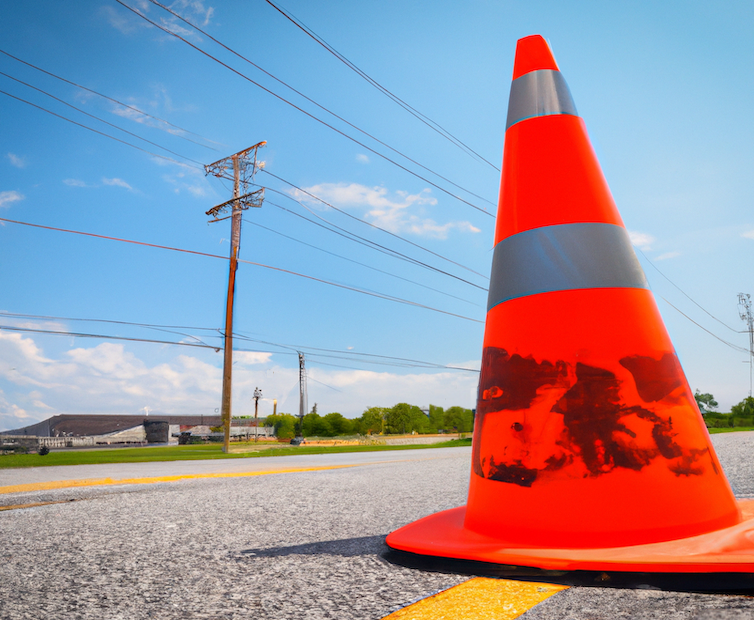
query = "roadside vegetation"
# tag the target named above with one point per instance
(375, 423)
(196, 452)
(399, 419)
(740, 418)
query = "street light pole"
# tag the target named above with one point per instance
(257, 396)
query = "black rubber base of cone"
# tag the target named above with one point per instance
(728, 583)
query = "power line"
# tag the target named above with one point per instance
(411, 362)
(390, 251)
(279, 269)
(436, 127)
(164, 328)
(685, 295)
(103, 337)
(120, 103)
(367, 242)
(358, 219)
(321, 107)
(291, 348)
(17, 315)
(130, 133)
(351, 260)
(730, 344)
(51, 332)
(101, 133)
(345, 135)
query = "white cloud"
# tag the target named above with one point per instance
(124, 21)
(362, 159)
(197, 190)
(392, 212)
(249, 358)
(748, 234)
(128, 23)
(6, 198)
(641, 240)
(117, 183)
(668, 255)
(185, 179)
(15, 160)
(105, 181)
(109, 378)
(11, 415)
(75, 183)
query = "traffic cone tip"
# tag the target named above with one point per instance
(533, 54)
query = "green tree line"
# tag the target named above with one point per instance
(741, 414)
(399, 419)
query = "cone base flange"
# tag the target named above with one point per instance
(443, 536)
(708, 583)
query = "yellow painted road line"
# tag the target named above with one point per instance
(95, 482)
(479, 599)
(33, 505)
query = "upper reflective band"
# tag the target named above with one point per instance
(564, 257)
(539, 93)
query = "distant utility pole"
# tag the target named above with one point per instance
(744, 311)
(302, 404)
(240, 168)
(257, 396)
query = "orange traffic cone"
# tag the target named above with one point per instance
(589, 451)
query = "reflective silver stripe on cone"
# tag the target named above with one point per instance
(565, 257)
(539, 93)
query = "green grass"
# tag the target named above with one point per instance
(190, 453)
(730, 429)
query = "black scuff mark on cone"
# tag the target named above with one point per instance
(654, 379)
(593, 413)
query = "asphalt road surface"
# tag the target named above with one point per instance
(275, 546)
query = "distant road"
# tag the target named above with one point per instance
(30, 475)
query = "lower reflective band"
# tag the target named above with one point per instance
(559, 258)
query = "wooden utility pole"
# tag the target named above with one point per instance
(244, 165)
(302, 404)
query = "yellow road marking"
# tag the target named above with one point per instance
(479, 599)
(33, 505)
(94, 482)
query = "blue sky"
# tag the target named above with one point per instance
(665, 92)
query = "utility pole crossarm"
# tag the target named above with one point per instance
(252, 199)
(221, 167)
